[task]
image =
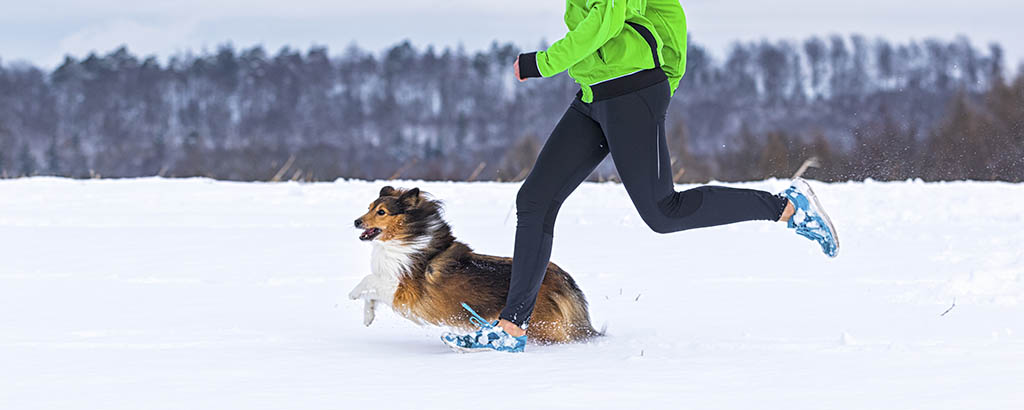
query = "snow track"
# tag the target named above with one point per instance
(154, 294)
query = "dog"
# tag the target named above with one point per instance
(424, 274)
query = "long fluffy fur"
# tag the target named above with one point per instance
(424, 274)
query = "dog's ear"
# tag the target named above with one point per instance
(410, 197)
(387, 191)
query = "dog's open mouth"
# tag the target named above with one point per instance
(369, 234)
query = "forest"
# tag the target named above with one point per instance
(863, 108)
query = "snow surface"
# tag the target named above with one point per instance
(195, 294)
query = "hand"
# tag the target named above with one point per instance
(515, 68)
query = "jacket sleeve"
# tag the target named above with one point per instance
(670, 22)
(605, 19)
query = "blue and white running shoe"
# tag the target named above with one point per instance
(489, 337)
(810, 219)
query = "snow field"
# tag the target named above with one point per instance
(154, 293)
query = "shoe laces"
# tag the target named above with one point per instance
(477, 319)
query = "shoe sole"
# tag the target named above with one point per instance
(803, 186)
(460, 349)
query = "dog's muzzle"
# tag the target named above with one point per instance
(369, 234)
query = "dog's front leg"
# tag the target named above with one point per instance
(368, 311)
(373, 289)
(364, 289)
(367, 291)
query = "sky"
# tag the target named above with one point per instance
(42, 32)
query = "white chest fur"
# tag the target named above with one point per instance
(392, 259)
(389, 261)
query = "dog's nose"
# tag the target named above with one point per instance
(359, 223)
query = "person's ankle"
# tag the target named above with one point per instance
(511, 328)
(787, 212)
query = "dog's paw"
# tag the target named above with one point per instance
(365, 294)
(364, 290)
(369, 312)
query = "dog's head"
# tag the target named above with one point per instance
(399, 215)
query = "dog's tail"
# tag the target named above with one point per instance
(594, 333)
(575, 312)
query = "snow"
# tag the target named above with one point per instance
(197, 294)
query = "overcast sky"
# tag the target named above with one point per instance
(43, 31)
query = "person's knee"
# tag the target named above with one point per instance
(536, 206)
(656, 219)
(670, 213)
(658, 225)
(529, 198)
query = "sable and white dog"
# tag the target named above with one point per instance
(424, 274)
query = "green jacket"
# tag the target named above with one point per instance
(600, 46)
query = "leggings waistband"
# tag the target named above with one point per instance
(625, 85)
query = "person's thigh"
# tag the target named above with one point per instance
(634, 128)
(576, 146)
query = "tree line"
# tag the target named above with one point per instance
(865, 108)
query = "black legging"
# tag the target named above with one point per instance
(632, 128)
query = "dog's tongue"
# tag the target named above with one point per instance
(367, 233)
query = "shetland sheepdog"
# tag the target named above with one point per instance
(424, 274)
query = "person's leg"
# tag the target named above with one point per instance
(576, 146)
(635, 130)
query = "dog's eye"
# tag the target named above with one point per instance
(381, 212)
